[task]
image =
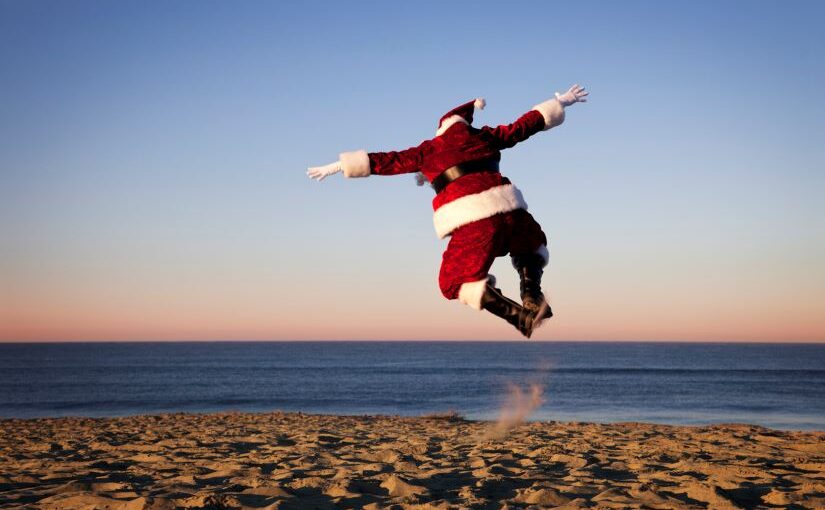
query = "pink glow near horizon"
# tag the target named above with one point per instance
(610, 316)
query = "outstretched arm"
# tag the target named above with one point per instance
(362, 163)
(542, 117)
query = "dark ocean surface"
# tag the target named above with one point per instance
(774, 385)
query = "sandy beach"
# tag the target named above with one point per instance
(290, 460)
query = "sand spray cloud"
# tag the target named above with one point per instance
(520, 403)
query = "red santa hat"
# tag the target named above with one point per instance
(463, 113)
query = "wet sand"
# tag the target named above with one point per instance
(288, 460)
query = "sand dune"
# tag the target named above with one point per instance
(283, 461)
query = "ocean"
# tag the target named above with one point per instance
(774, 385)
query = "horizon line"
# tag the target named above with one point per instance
(420, 340)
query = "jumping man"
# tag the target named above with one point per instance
(484, 215)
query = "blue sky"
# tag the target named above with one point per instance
(153, 158)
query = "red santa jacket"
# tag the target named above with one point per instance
(471, 197)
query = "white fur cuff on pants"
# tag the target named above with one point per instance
(471, 292)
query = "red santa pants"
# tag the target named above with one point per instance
(473, 247)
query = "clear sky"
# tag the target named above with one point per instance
(152, 159)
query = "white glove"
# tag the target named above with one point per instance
(319, 172)
(576, 94)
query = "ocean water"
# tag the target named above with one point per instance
(774, 385)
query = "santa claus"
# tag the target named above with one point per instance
(481, 211)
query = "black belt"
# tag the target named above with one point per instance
(454, 172)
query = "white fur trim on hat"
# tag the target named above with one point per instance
(470, 208)
(448, 122)
(479, 103)
(355, 163)
(552, 111)
(470, 293)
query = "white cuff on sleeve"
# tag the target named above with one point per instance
(355, 164)
(552, 111)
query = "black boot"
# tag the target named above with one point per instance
(530, 270)
(496, 303)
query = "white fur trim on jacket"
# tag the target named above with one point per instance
(355, 163)
(470, 208)
(552, 111)
(448, 122)
(470, 293)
